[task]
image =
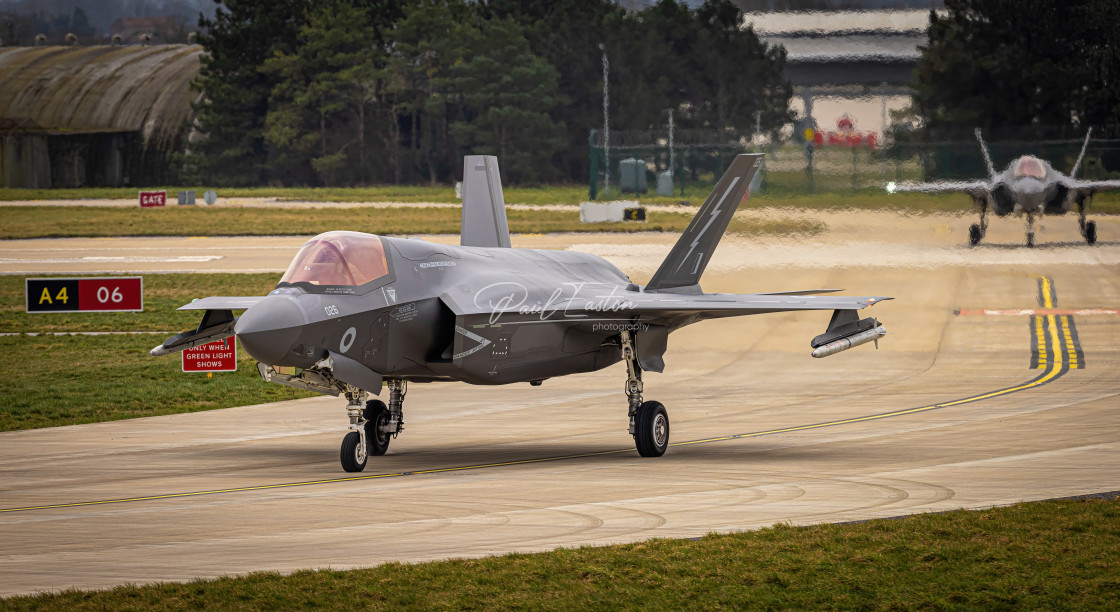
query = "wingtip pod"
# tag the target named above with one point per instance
(159, 351)
(843, 344)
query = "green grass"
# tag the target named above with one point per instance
(163, 293)
(54, 222)
(551, 194)
(1058, 555)
(66, 380)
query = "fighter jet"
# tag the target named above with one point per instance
(355, 313)
(1029, 186)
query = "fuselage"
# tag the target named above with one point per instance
(417, 310)
(1030, 186)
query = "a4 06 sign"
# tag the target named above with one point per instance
(85, 294)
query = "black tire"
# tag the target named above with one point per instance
(352, 459)
(1030, 240)
(377, 415)
(974, 235)
(1091, 232)
(652, 433)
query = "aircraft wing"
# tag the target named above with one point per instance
(662, 306)
(651, 316)
(974, 188)
(217, 323)
(223, 303)
(1094, 186)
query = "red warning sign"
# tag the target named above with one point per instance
(153, 198)
(218, 356)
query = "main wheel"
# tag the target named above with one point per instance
(377, 416)
(1091, 232)
(353, 454)
(652, 433)
(974, 235)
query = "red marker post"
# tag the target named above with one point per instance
(218, 356)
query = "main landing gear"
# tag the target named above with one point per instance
(977, 231)
(372, 425)
(649, 421)
(1088, 228)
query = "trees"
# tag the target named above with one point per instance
(356, 91)
(508, 98)
(230, 149)
(1008, 63)
(315, 127)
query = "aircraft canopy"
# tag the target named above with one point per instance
(1028, 165)
(338, 258)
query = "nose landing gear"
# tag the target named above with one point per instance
(372, 424)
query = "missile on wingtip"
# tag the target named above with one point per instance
(844, 344)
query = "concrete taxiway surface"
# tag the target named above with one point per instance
(954, 411)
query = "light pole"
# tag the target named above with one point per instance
(606, 122)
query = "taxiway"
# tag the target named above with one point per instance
(959, 408)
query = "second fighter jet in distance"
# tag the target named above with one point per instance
(1029, 187)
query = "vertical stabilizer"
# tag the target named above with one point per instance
(484, 208)
(1084, 147)
(987, 157)
(690, 255)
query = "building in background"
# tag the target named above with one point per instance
(94, 116)
(849, 69)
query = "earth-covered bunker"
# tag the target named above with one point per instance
(94, 116)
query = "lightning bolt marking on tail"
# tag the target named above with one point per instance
(711, 218)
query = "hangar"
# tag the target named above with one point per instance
(93, 116)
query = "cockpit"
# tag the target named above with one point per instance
(339, 259)
(1030, 166)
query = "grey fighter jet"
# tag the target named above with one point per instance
(1029, 186)
(355, 313)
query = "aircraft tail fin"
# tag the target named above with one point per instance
(987, 157)
(484, 208)
(693, 250)
(1081, 156)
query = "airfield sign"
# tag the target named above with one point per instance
(217, 356)
(149, 199)
(85, 294)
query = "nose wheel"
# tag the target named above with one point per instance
(372, 424)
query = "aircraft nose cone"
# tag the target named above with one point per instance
(270, 328)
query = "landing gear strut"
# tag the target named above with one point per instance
(1030, 230)
(372, 425)
(977, 231)
(649, 421)
(1088, 228)
(354, 450)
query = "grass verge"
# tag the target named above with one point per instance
(163, 293)
(22, 222)
(1048, 555)
(67, 380)
(86, 379)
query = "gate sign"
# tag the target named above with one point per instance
(85, 294)
(218, 356)
(153, 198)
